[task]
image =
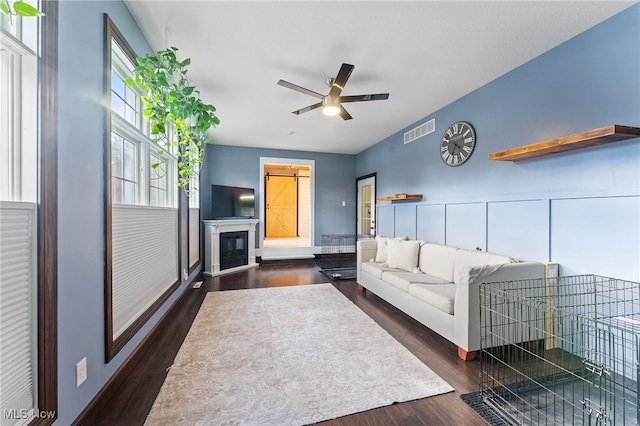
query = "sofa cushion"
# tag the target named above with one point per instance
(403, 254)
(467, 259)
(402, 280)
(374, 269)
(440, 296)
(437, 260)
(381, 254)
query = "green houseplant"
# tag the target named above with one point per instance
(178, 118)
(18, 8)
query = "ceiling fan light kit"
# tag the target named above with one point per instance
(330, 106)
(332, 103)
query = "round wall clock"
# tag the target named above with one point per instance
(458, 143)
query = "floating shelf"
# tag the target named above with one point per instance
(599, 136)
(401, 197)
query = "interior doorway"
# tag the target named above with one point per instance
(287, 207)
(366, 205)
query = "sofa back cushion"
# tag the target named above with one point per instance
(467, 259)
(437, 260)
(403, 254)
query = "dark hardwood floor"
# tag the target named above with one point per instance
(132, 401)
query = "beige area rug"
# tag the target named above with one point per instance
(286, 356)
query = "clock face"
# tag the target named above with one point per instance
(458, 143)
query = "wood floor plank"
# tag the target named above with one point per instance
(131, 402)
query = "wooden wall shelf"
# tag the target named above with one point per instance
(599, 136)
(401, 197)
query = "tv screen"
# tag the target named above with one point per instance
(229, 202)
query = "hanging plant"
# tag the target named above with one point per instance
(172, 105)
(18, 8)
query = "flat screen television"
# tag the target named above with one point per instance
(229, 202)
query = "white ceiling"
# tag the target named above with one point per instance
(426, 54)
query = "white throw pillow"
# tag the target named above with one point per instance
(381, 254)
(403, 254)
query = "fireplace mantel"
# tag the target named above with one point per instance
(212, 231)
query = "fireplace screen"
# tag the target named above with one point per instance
(233, 249)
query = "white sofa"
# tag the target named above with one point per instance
(437, 285)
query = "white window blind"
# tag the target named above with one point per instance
(18, 339)
(145, 260)
(194, 235)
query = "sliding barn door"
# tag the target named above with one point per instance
(282, 206)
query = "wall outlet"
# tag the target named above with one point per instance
(185, 274)
(198, 284)
(81, 372)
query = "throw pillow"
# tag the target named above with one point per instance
(403, 254)
(381, 254)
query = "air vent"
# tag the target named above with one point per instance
(421, 130)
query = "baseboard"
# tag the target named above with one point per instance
(99, 402)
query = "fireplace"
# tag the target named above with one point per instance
(233, 249)
(229, 245)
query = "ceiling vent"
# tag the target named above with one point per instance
(420, 131)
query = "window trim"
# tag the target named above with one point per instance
(48, 215)
(114, 345)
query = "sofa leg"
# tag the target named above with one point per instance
(467, 356)
(361, 288)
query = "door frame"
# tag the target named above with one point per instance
(373, 175)
(312, 189)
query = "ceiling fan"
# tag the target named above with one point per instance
(332, 102)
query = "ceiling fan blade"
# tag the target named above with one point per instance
(307, 109)
(341, 80)
(299, 89)
(344, 114)
(361, 98)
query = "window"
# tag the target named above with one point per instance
(194, 222)
(141, 209)
(142, 173)
(28, 218)
(123, 170)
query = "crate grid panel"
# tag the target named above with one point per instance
(337, 260)
(561, 350)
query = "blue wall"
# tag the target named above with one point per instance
(81, 201)
(580, 208)
(335, 182)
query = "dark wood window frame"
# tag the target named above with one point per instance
(113, 346)
(48, 216)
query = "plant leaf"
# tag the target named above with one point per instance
(25, 9)
(4, 7)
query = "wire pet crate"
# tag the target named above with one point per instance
(338, 258)
(559, 351)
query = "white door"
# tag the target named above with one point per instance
(366, 208)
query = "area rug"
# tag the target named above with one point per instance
(286, 356)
